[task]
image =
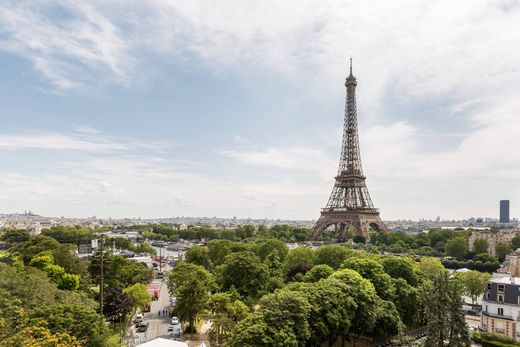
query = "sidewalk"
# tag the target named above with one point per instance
(197, 339)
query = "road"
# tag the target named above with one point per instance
(159, 323)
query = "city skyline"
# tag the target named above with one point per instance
(206, 110)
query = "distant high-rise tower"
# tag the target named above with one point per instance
(349, 205)
(504, 211)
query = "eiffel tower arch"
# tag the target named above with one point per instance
(349, 205)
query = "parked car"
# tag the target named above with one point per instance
(138, 319)
(176, 333)
(143, 326)
(175, 320)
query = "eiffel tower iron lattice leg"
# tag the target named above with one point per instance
(349, 205)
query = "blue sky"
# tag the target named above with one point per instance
(158, 108)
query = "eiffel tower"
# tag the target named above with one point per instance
(349, 205)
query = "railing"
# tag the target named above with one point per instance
(348, 209)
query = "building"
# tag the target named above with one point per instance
(501, 301)
(504, 211)
(492, 237)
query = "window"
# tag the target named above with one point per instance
(487, 310)
(500, 311)
(500, 288)
(489, 286)
(488, 295)
(500, 297)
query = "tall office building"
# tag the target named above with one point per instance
(504, 211)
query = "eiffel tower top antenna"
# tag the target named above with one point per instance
(350, 65)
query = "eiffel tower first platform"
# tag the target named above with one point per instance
(349, 205)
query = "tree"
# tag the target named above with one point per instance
(473, 283)
(480, 245)
(302, 255)
(502, 249)
(375, 273)
(183, 272)
(287, 311)
(332, 309)
(297, 272)
(191, 299)
(387, 322)
(246, 273)
(515, 242)
(365, 298)
(265, 247)
(63, 254)
(40, 336)
(116, 304)
(78, 321)
(218, 250)
(400, 267)
(224, 314)
(198, 255)
(446, 323)
(45, 262)
(430, 267)
(43, 291)
(11, 236)
(255, 332)
(139, 294)
(457, 247)
(332, 255)
(318, 272)
(406, 300)
(359, 239)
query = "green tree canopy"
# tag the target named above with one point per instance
(191, 295)
(264, 247)
(318, 272)
(400, 267)
(73, 319)
(480, 245)
(430, 267)
(139, 294)
(302, 255)
(198, 255)
(446, 322)
(515, 242)
(502, 249)
(365, 298)
(331, 255)
(218, 250)
(246, 273)
(457, 247)
(473, 283)
(288, 312)
(375, 273)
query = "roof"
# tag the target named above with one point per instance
(505, 279)
(160, 342)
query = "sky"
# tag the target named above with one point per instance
(158, 108)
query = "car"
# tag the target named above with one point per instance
(175, 320)
(176, 333)
(143, 326)
(138, 319)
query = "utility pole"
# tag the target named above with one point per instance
(101, 242)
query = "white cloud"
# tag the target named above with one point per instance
(84, 139)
